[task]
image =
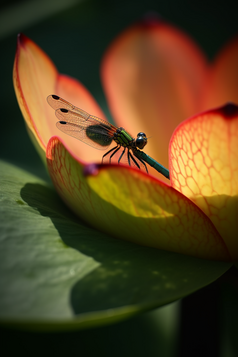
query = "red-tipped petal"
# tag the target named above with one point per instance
(131, 205)
(204, 167)
(153, 75)
(35, 77)
(33, 73)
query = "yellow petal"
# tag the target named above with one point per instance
(153, 75)
(204, 167)
(128, 204)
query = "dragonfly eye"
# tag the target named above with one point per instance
(141, 134)
(141, 140)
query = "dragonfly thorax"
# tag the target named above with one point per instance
(141, 140)
(123, 138)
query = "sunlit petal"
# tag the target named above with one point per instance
(204, 167)
(131, 205)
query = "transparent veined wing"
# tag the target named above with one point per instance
(57, 102)
(79, 124)
(90, 131)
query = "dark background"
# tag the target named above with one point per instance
(75, 38)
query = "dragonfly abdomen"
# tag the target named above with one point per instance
(158, 167)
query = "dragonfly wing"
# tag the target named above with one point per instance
(81, 125)
(59, 103)
(92, 131)
(72, 117)
(56, 102)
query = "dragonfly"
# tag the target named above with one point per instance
(99, 134)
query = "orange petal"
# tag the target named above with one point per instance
(153, 75)
(222, 86)
(35, 77)
(131, 205)
(204, 167)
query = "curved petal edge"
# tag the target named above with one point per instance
(131, 205)
(204, 167)
(35, 77)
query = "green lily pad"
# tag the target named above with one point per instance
(58, 273)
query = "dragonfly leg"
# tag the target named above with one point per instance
(123, 152)
(130, 156)
(114, 153)
(143, 164)
(115, 147)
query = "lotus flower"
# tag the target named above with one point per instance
(154, 78)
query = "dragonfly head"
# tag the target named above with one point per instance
(141, 140)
